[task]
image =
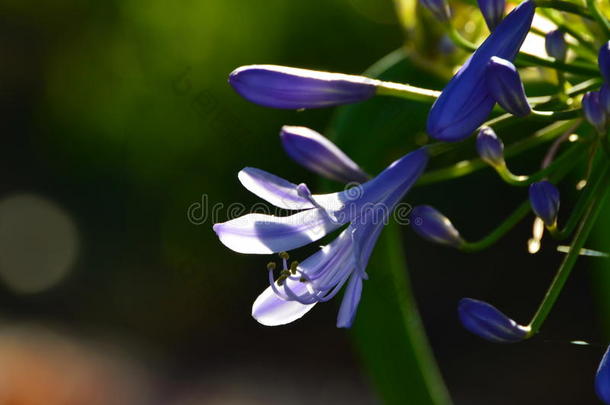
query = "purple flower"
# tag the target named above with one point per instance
(555, 45)
(604, 98)
(293, 88)
(438, 8)
(316, 153)
(466, 102)
(594, 110)
(490, 147)
(602, 378)
(364, 209)
(493, 12)
(486, 321)
(432, 225)
(505, 86)
(544, 199)
(603, 59)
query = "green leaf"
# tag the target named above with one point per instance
(388, 333)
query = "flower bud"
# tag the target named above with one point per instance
(602, 378)
(493, 12)
(293, 88)
(488, 322)
(430, 224)
(594, 111)
(490, 147)
(505, 86)
(555, 45)
(438, 8)
(465, 103)
(544, 199)
(604, 98)
(316, 153)
(603, 59)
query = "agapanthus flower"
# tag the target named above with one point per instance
(363, 209)
(493, 12)
(602, 378)
(466, 102)
(490, 323)
(555, 45)
(506, 87)
(490, 147)
(603, 59)
(438, 8)
(431, 224)
(604, 98)
(316, 153)
(594, 111)
(294, 88)
(544, 199)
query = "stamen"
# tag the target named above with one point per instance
(293, 267)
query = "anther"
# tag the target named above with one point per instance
(271, 266)
(284, 255)
(293, 267)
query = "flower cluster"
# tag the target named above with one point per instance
(488, 83)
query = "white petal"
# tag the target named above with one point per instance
(273, 189)
(271, 310)
(264, 234)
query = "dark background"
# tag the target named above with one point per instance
(117, 117)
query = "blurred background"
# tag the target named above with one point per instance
(120, 134)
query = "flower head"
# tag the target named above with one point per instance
(293, 88)
(602, 378)
(604, 98)
(594, 110)
(466, 102)
(488, 322)
(363, 209)
(493, 12)
(505, 86)
(490, 147)
(544, 199)
(603, 59)
(555, 45)
(431, 224)
(316, 153)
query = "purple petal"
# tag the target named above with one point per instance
(274, 189)
(504, 84)
(488, 322)
(465, 102)
(264, 234)
(602, 378)
(316, 153)
(351, 299)
(293, 88)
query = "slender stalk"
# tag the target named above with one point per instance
(599, 17)
(568, 263)
(500, 231)
(566, 6)
(407, 91)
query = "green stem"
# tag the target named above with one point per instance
(466, 167)
(407, 91)
(500, 231)
(583, 202)
(564, 6)
(568, 263)
(568, 159)
(599, 17)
